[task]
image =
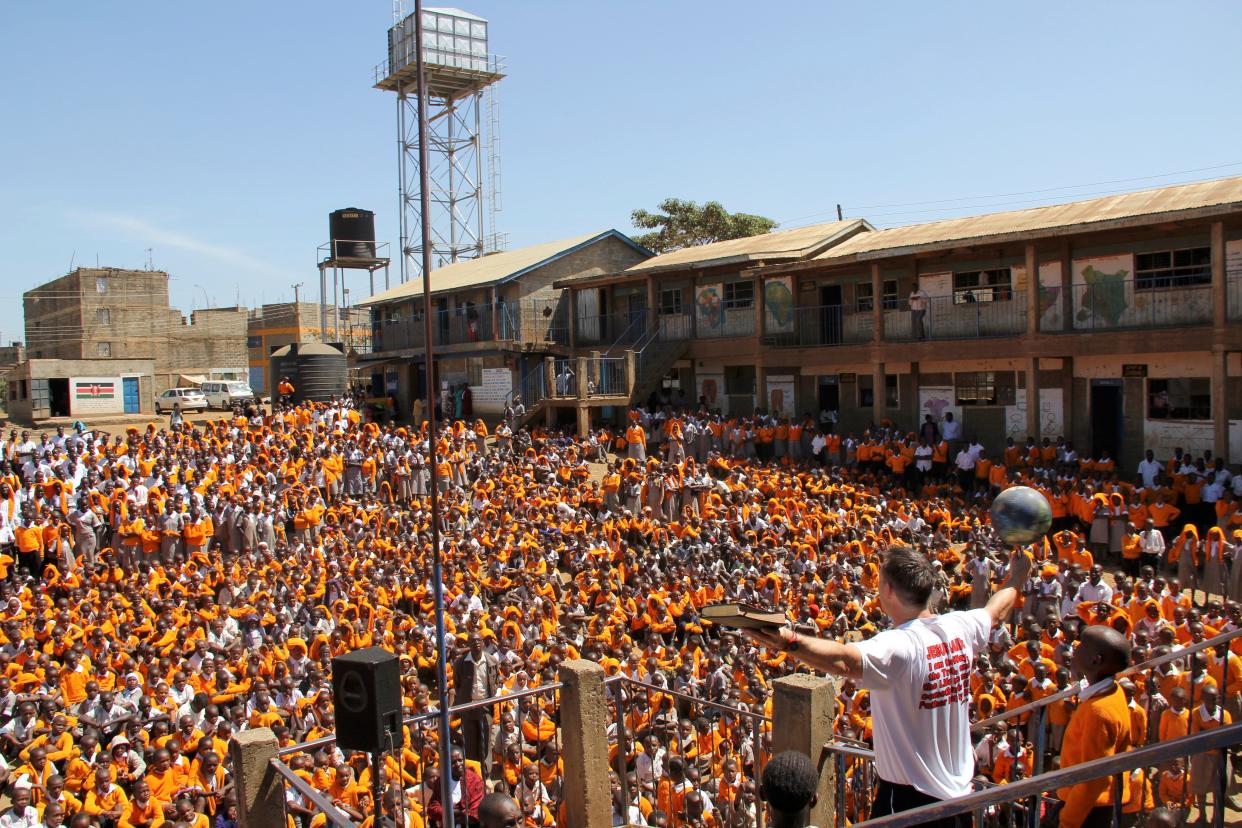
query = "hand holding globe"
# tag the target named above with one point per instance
(1021, 515)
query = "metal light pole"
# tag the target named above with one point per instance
(424, 198)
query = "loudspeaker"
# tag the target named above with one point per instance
(366, 694)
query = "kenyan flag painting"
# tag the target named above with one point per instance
(95, 391)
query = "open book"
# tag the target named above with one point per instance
(742, 615)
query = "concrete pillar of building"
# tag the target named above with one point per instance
(631, 372)
(761, 308)
(653, 305)
(1220, 288)
(582, 370)
(877, 305)
(1032, 397)
(1067, 399)
(595, 370)
(1067, 288)
(584, 419)
(1220, 402)
(495, 313)
(877, 392)
(761, 386)
(803, 707)
(1032, 291)
(584, 745)
(549, 377)
(260, 791)
(573, 318)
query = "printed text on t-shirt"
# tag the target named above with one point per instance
(948, 675)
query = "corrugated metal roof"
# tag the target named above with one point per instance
(1075, 214)
(498, 267)
(779, 245)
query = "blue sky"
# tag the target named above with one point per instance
(221, 134)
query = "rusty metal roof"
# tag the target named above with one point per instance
(777, 246)
(1165, 202)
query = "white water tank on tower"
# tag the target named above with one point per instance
(451, 38)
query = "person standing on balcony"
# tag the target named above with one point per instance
(918, 312)
(918, 675)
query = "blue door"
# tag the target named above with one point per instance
(129, 387)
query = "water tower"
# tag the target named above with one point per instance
(464, 196)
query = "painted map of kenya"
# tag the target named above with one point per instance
(1104, 295)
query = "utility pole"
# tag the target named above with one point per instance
(840, 216)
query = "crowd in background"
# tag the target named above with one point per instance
(163, 589)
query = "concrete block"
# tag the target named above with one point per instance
(260, 790)
(584, 738)
(803, 707)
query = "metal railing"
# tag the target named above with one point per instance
(610, 328)
(959, 316)
(459, 326)
(726, 322)
(1115, 303)
(607, 377)
(1035, 787)
(822, 325)
(521, 727)
(1233, 298)
(737, 742)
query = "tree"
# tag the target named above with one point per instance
(686, 224)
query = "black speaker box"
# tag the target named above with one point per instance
(366, 694)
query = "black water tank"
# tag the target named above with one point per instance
(318, 372)
(353, 233)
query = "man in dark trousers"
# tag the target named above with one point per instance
(475, 677)
(918, 674)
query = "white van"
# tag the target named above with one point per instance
(222, 393)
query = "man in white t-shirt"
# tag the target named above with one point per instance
(918, 674)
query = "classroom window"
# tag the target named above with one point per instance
(985, 387)
(670, 302)
(890, 294)
(1179, 399)
(739, 295)
(1173, 268)
(864, 297)
(982, 286)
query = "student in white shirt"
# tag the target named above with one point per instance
(918, 674)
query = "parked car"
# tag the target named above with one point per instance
(223, 393)
(190, 399)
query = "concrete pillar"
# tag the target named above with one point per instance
(549, 377)
(260, 791)
(1067, 290)
(803, 707)
(581, 371)
(495, 314)
(1220, 291)
(761, 307)
(584, 745)
(631, 372)
(877, 305)
(653, 304)
(877, 392)
(1220, 407)
(595, 370)
(573, 317)
(1032, 398)
(761, 386)
(1032, 291)
(584, 419)
(1067, 399)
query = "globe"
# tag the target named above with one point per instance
(1021, 515)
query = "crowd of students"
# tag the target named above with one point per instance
(165, 588)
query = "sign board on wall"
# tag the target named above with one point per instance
(494, 392)
(1135, 370)
(938, 401)
(96, 395)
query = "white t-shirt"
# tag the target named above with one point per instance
(919, 678)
